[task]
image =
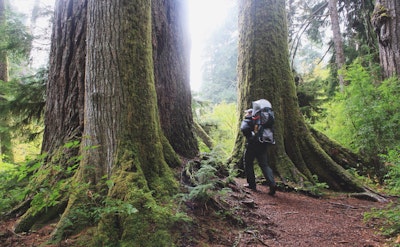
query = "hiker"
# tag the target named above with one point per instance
(255, 150)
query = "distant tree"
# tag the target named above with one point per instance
(14, 43)
(3, 52)
(264, 72)
(337, 39)
(386, 20)
(5, 137)
(310, 19)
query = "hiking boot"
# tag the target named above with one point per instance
(272, 190)
(253, 188)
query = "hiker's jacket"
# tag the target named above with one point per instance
(247, 128)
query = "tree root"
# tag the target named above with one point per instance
(20, 209)
(370, 195)
(29, 219)
(346, 158)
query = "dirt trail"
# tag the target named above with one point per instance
(293, 219)
(286, 219)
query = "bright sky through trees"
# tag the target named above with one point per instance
(204, 17)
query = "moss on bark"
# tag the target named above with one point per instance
(125, 153)
(264, 72)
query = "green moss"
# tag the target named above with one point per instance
(149, 226)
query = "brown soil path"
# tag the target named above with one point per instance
(287, 219)
(257, 219)
(293, 219)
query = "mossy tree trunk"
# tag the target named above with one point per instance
(171, 55)
(264, 72)
(386, 22)
(101, 92)
(122, 144)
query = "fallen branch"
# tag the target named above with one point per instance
(341, 205)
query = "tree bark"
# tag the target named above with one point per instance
(122, 140)
(171, 55)
(64, 106)
(65, 87)
(264, 72)
(131, 120)
(386, 22)
(337, 39)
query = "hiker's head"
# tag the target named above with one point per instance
(248, 112)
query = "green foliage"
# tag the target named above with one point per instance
(15, 37)
(22, 112)
(221, 125)
(12, 189)
(392, 160)
(46, 183)
(316, 188)
(388, 218)
(143, 221)
(365, 117)
(206, 178)
(311, 93)
(23, 104)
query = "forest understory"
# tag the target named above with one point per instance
(258, 219)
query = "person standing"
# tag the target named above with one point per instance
(255, 150)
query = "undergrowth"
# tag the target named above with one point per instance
(389, 217)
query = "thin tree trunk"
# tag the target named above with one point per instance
(337, 39)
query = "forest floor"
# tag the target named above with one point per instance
(258, 219)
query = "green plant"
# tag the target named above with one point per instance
(206, 178)
(223, 118)
(388, 218)
(392, 178)
(365, 116)
(11, 191)
(316, 188)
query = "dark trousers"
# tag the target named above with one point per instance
(257, 151)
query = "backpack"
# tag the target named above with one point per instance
(264, 118)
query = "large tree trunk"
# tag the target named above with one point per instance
(123, 140)
(171, 54)
(337, 39)
(65, 115)
(264, 72)
(386, 21)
